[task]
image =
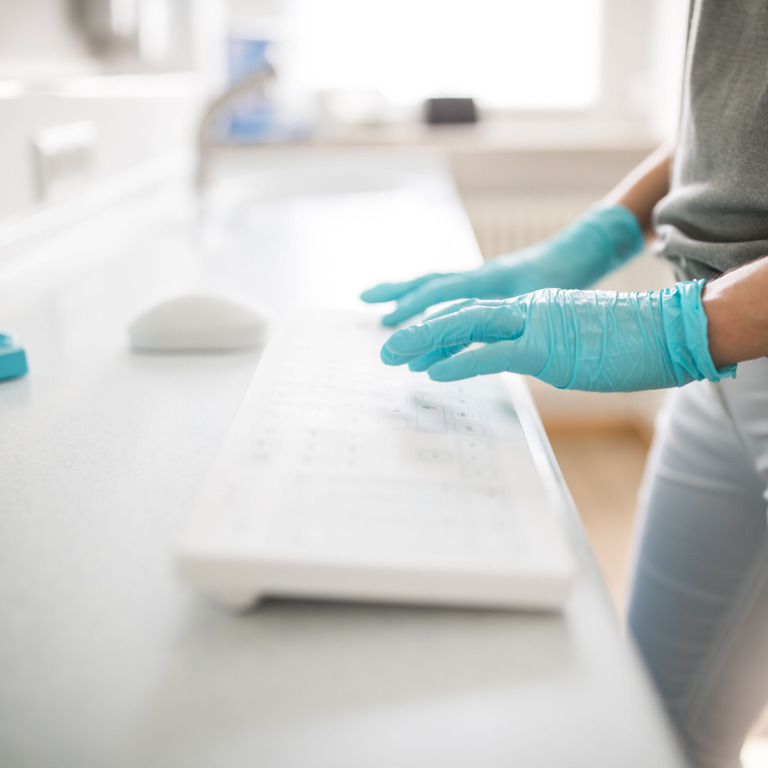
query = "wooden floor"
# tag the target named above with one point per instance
(603, 470)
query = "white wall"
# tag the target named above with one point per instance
(668, 46)
(38, 37)
(133, 131)
(47, 79)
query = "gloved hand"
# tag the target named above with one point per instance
(590, 340)
(596, 243)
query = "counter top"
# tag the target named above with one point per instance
(107, 661)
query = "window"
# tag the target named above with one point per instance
(507, 54)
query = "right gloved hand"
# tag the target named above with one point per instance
(596, 243)
(598, 341)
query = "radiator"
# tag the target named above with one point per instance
(504, 222)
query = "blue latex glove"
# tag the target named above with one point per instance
(596, 243)
(590, 340)
(13, 359)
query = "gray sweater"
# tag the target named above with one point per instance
(716, 214)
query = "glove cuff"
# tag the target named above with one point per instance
(620, 229)
(595, 244)
(690, 355)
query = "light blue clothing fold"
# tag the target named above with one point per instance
(699, 597)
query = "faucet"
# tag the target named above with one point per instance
(256, 82)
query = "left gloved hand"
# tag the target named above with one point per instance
(590, 340)
(599, 241)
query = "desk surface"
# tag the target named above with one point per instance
(107, 661)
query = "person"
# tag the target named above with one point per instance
(698, 608)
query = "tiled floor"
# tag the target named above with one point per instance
(603, 471)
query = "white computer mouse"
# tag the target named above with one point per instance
(198, 322)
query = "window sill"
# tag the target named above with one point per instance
(491, 134)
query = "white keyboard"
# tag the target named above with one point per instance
(342, 478)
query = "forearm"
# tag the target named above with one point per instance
(737, 314)
(735, 304)
(643, 187)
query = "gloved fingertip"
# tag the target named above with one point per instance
(372, 295)
(399, 342)
(390, 358)
(390, 320)
(419, 365)
(439, 372)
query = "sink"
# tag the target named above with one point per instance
(316, 182)
(261, 177)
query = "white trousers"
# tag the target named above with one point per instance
(698, 607)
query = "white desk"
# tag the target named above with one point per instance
(105, 660)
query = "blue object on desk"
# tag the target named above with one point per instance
(13, 358)
(253, 118)
(256, 118)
